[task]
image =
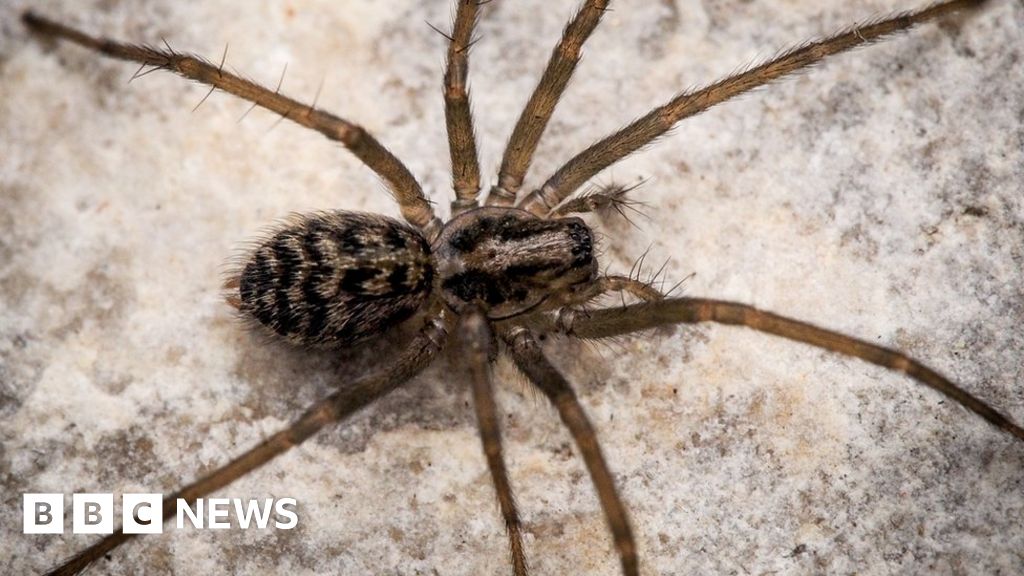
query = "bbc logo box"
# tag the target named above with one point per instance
(93, 513)
(44, 514)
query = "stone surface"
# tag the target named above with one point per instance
(879, 194)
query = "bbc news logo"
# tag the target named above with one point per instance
(143, 513)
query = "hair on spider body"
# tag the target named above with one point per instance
(334, 278)
(338, 278)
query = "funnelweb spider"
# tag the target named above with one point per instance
(218, 75)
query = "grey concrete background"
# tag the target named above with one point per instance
(879, 194)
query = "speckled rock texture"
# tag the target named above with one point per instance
(880, 194)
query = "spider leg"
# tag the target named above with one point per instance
(575, 302)
(534, 118)
(617, 321)
(457, 114)
(530, 360)
(607, 284)
(474, 347)
(406, 190)
(657, 122)
(602, 199)
(349, 398)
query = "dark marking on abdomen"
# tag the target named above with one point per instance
(335, 278)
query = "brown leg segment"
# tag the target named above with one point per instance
(633, 318)
(529, 358)
(473, 349)
(339, 405)
(602, 199)
(657, 122)
(624, 284)
(534, 118)
(457, 113)
(406, 190)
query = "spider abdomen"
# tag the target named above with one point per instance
(335, 278)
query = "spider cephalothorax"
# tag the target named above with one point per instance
(508, 272)
(512, 261)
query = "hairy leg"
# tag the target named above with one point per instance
(406, 190)
(636, 317)
(457, 113)
(624, 284)
(534, 118)
(474, 347)
(657, 122)
(339, 405)
(529, 358)
(601, 200)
